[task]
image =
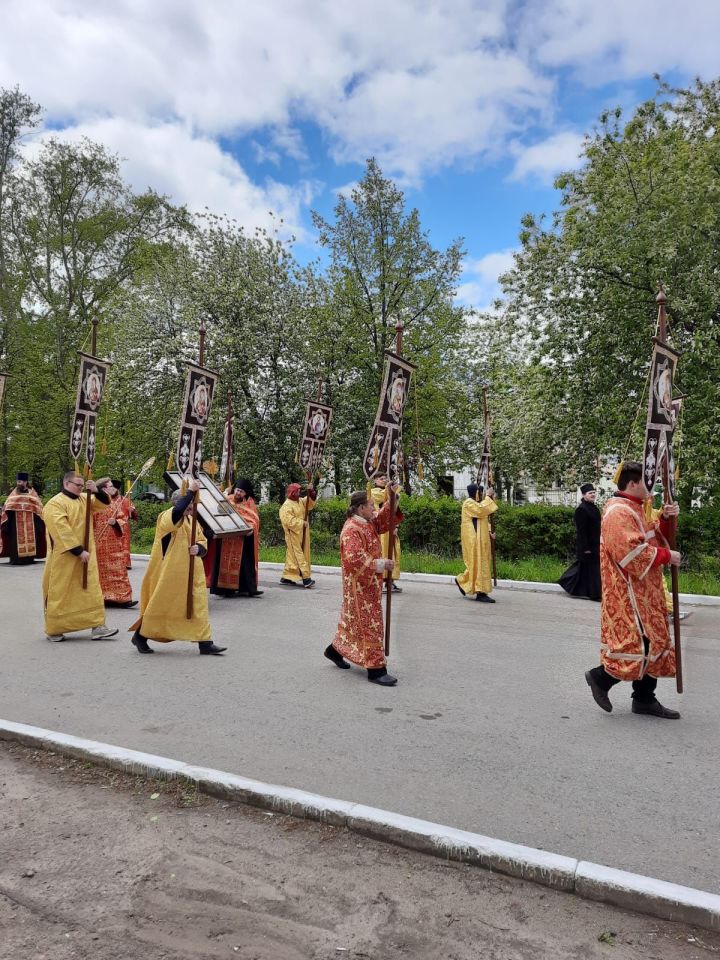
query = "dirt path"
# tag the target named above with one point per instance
(100, 865)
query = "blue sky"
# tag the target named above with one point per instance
(244, 107)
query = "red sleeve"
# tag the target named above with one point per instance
(661, 557)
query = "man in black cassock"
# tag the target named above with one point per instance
(582, 579)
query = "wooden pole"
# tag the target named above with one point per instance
(227, 479)
(88, 495)
(486, 418)
(392, 500)
(193, 526)
(308, 477)
(671, 522)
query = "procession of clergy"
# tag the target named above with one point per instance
(630, 554)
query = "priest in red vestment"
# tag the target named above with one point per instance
(635, 641)
(232, 562)
(22, 530)
(359, 637)
(112, 527)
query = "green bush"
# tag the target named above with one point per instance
(432, 525)
(148, 513)
(535, 530)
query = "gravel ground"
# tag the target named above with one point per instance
(102, 865)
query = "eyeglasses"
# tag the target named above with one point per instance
(77, 483)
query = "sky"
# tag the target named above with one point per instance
(251, 106)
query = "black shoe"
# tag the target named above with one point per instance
(654, 709)
(208, 647)
(288, 583)
(483, 598)
(384, 680)
(307, 583)
(396, 588)
(332, 654)
(455, 579)
(599, 695)
(256, 593)
(141, 643)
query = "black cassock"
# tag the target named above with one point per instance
(582, 579)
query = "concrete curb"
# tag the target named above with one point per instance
(668, 901)
(690, 599)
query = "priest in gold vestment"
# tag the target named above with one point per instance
(293, 517)
(68, 607)
(634, 639)
(379, 494)
(163, 596)
(360, 636)
(475, 537)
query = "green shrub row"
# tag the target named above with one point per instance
(432, 524)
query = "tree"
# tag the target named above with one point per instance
(383, 268)
(580, 300)
(80, 236)
(18, 115)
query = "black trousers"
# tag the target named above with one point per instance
(643, 690)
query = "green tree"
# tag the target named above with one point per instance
(383, 268)
(580, 301)
(81, 236)
(18, 115)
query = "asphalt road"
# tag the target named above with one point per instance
(491, 728)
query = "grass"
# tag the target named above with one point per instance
(540, 569)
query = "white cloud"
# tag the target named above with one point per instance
(480, 286)
(418, 84)
(404, 81)
(618, 40)
(346, 189)
(194, 170)
(544, 160)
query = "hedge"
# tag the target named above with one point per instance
(432, 524)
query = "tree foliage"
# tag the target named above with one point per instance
(571, 343)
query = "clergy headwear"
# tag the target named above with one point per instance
(586, 488)
(22, 476)
(293, 491)
(247, 487)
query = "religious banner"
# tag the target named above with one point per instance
(316, 430)
(384, 450)
(662, 412)
(199, 390)
(91, 385)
